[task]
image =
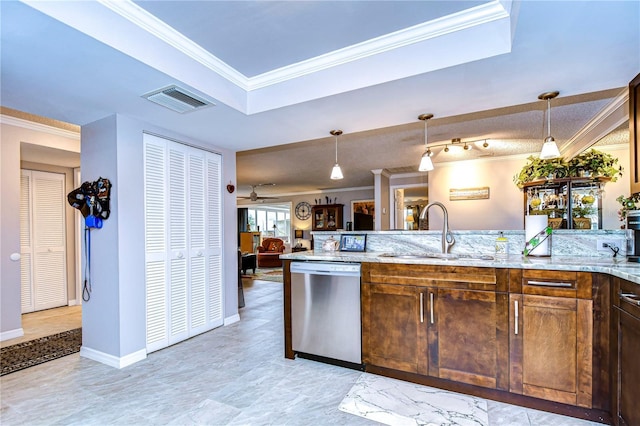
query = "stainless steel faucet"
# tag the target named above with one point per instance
(447, 236)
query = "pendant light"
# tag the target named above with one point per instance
(336, 172)
(425, 163)
(549, 148)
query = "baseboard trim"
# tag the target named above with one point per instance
(113, 361)
(11, 334)
(230, 320)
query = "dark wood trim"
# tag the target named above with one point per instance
(594, 415)
(286, 273)
(634, 134)
(601, 341)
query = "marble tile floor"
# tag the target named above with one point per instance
(46, 323)
(395, 402)
(234, 375)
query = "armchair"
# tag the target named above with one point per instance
(269, 253)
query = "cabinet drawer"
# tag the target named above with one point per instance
(440, 276)
(627, 298)
(557, 283)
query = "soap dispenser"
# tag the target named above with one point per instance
(502, 246)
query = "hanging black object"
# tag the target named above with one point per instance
(93, 199)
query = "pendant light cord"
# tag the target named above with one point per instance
(336, 149)
(548, 116)
(425, 135)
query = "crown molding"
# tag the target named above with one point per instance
(454, 22)
(608, 119)
(38, 127)
(472, 17)
(159, 29)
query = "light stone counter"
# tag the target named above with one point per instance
(618, 266)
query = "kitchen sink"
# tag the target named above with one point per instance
(442, 256)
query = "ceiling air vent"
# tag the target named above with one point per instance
(177, 99)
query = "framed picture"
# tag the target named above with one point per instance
(363, 215)
(351, 242)
(456, 194)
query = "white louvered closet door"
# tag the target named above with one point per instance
(214, 239)
(178, 243)
(26, 252)
(42, 231)
(155, 218)
(197, 246)
(177, 177)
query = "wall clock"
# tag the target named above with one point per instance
(303, 210)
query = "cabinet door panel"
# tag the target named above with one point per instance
(466, 336)
(629, 366)
(556, 339)
(392, 332)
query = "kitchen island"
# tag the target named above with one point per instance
(536, 332)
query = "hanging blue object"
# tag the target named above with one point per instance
(93, 200)
(92, 221)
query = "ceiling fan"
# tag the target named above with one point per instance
(254, 197)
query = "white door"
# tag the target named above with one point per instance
(183, 243)
(42, 240)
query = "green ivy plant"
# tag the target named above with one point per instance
(537, 169)
(596, 163)
(627, 204)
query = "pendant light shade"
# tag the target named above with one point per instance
(425, 163)
(336, 172)
(549, 148)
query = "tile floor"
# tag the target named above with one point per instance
(47, 322)
(234, 375)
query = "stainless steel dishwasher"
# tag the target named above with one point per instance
(325, 310)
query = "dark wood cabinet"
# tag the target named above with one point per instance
(634, 134)
(393, 334)
(445, 322)
(551, 337)
(467, 336)
(327, 217)
(539, 338)
(626, 348)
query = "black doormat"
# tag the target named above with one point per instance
(27, 354)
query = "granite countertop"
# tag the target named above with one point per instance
(618, 266)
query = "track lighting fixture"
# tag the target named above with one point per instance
(336, 172)
(425, 162)
(467, 145)
(549, 148)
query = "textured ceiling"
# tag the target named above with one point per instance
(296, 168)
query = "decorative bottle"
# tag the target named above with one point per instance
(502, 246)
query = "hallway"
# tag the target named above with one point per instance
(47, 322)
